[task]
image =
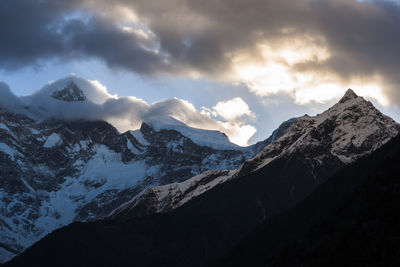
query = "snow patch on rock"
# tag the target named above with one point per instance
(7, 150)
(139, 137)
(53, 140)
(164, 198)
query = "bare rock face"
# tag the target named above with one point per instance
(70, 93)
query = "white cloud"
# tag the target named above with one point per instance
(234, 114)
(232, 109)
(239, 133)
(127, 113)
(7, 99)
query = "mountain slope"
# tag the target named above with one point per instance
(170, 196)
(309, 151)
(202, 229)
(54, 172)
(351, 220)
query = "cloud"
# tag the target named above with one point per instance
(232, 109)
(126, 113)
(235, 114)
(30, 33)
(239, 133)
(36, 31)
(8, 100)
(311, 50)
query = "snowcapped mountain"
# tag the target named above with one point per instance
(345, 132)
(210, 213)
(69, 90)
(215, 139)
(313, 147)
(54, 172)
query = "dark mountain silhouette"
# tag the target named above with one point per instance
(351, 220)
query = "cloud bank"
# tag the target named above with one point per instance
(126, 113)
(311, 50)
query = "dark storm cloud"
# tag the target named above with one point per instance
(33, 31)
(202, 37)
(363, 38)
(365, 35)
(29, 31)
(100, 38)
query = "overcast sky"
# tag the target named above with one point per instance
(237, 66)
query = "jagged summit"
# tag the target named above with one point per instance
(70, 93)
(348, 130)
(349, 95)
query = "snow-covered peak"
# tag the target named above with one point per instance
(70, 93)
(348, 130)
(348, 96)
(72, 89)
(210, 138)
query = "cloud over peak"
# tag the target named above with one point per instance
(8, 100)
(124, 112)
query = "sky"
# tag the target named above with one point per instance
(241, 67)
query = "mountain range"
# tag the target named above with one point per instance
(171, 195)
(54, 171)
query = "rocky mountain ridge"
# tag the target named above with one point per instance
(323, 143)
(55, 172)
(210, 213)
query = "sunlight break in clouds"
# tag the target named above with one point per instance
(279, 70)
(296, 63)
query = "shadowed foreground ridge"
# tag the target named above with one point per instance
(351, 220)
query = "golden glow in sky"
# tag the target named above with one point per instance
(275, 70)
